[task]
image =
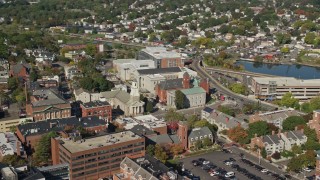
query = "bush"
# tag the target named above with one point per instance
(276, 155)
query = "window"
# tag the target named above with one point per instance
(191, 139)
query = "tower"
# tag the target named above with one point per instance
(182, 134)
(186, 81)
(134, 89)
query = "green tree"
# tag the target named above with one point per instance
(42, 154)
(238, 134)
(91, 49)
(296, 149)
(150, 150)
(191, 120)
(260, 128)
(13, 160)
(3, 97)
(289, 101)
(180, 100)
(207, 142)
(285, 49)
(34, 76)
(283, 38)
(152, 37)
(149, 106)
(160, 153)
(226, 110)
(310, 38)
(238, 88)
(13, 83)
(263, 152)
(173, 115)
(198, 145)
(291, 122)
(4, 53)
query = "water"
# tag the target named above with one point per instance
(294, 70)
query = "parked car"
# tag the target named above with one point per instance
(205, 162)
(307, 169)
(264, 170)
(229, 174)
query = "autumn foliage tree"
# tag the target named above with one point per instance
(238, 134)
(176, 149)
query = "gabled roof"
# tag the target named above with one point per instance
(271, 139)
(120, 95)
(17, 68)
(50, 98)
(197, 132)
(171, 84)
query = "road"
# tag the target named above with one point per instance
(220, 88)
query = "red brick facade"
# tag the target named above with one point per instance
(98, 162)
(171, 62)
(103, 111)
(23, 73)
(182, 134)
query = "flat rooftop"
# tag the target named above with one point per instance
(93, 104)
(97, 142)
(161, 52)
(287, 81)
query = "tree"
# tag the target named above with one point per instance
(13, 83)
(4, 53)
(207, 142)
(91, 49)
(176, 149)
(276, 155)
(173, 115)
(198, 145)
(149, 106)
(296, 149)
(226, 110)
(42, 154)
(33, 76)
(310, 38)
(263, 152)
(13, 160)
(150, 150)
(285, 49)
(289, 101)
(192, 120)
(3, 97)
(238, 88)
(180, 100)
(160, 153)
(238, 134)
(291, 122)
(260, 128)
(283, 38)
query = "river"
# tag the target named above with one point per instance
(288, 70)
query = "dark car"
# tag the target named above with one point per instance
(201, 160)
(205, 167)
(197, 163)
(231, 159)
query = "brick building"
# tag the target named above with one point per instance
(96, 108)
(315, 122)
(318, 166)
(47, 104)
(30, 133)
(97, 157)
(177, 84)
(21, 70)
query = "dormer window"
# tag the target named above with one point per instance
(191, 139)
(196, 138)
(201, 137)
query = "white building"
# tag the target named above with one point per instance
(10, 145)
(293, 138)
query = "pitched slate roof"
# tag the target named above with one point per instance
(271, 139)
(159, 70)
(171, 84)
(120, 95)
(51, 98)
(196, 132)
(296, 135)
(228, 121)
(17, 68)
(137, 169)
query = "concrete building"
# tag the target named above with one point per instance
(194, 97)
(96, 108)
(275, 88)
(47, 104)
(97, 157)
(125, 71)
(30, 133)
(274, 117)
(8, 173)
(9, 145)
(162, 57)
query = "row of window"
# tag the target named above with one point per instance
(201, 137)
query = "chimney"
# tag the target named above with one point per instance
(296, 128)
(227, 119)
(273, 132)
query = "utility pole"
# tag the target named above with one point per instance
(259, 150)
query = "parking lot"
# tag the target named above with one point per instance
(242, 167)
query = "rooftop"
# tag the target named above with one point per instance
(161, 52)
(97, 142)
(8, 143)
(42, 127)
(159, 71)
(47, 97)
(195, 90)
(287, 81)
(93, 104)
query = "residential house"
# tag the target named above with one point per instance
(291, 138)
(274, 117)
(82, 95)
(272, 143)
(71, 72)
(199, 134)
(47, 104)
(21, 70)
(222, 120)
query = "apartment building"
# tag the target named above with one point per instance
(97, 157)
(275, 87)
